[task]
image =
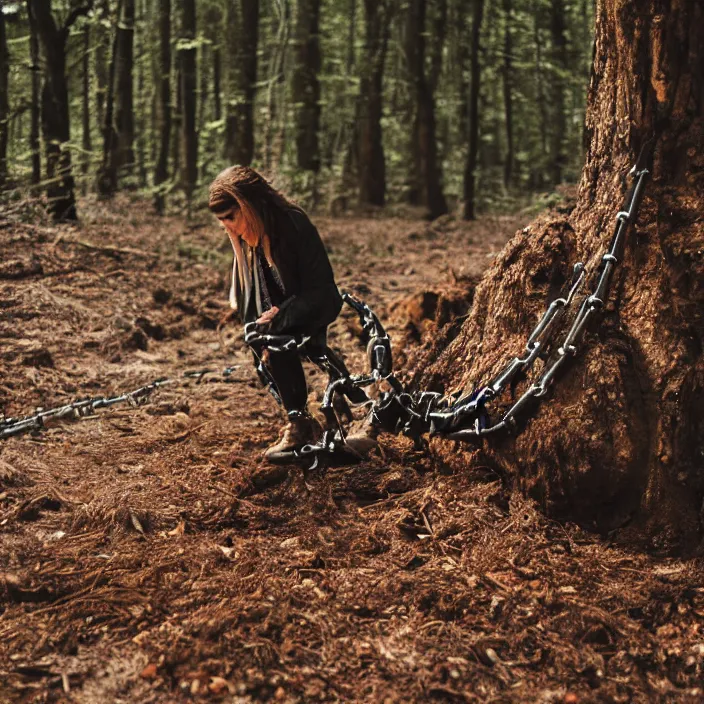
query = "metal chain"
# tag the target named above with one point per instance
(458, 417)
(459, 412)
(82, 408)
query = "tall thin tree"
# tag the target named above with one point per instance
(86, 141)
(188, 60)
(561, 67)
(55, 105)
(306, 85)
(475, 84)
(163, 86)
(508, 89)
(371, 162)
(35, 106)
(426, 188)
(4, 102)
(118, 129)
(243, 28)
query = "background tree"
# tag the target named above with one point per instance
(508, 87)
(473, 113)
(118, 129)
(621, 442)
(302, 80)
(55, 107)
(4, 103)
(243, 24)
(306, 85)
(35, 115)
(163, 108)
(561, 69)
(426, 177)
(187, 57)
(371, 162)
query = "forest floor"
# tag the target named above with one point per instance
(148, 555)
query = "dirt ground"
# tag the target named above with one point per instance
(148, 555)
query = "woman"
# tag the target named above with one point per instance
(282, 279)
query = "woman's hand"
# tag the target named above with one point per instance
(267, 316)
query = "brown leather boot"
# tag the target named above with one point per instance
(301, 429)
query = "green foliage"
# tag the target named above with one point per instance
(535, 71)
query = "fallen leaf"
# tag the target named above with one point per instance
(149, 672)
(229, 553)
(219, 684)
(136, 523)
(180, 529)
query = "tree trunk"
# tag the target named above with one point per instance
(189, 97)
(475, 80)
(86, 144)
(621, 441)
(124, 94)
(142, 44)
(561, 68)
(118, 128)
(4, 103)
(508, 97)
(176, 130)
(276, 90)
(217, 69)
(426, 185)
(537, 178)
(55, 107)
(161, 171)
(371, 162)
(306, 85)
(34, 146)
(102, 42)
(242, 24)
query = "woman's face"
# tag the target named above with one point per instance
(235, 225)
(230, 221)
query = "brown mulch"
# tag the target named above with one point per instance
(148, 555)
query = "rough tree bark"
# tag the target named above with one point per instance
(277, 69)
(306, 85)
(620, 444)
(55, 107)
(243, 29)
(370, 149)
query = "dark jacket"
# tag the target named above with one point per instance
(311, 300)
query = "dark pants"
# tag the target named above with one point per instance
(287, 370)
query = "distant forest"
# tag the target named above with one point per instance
(459, 105)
